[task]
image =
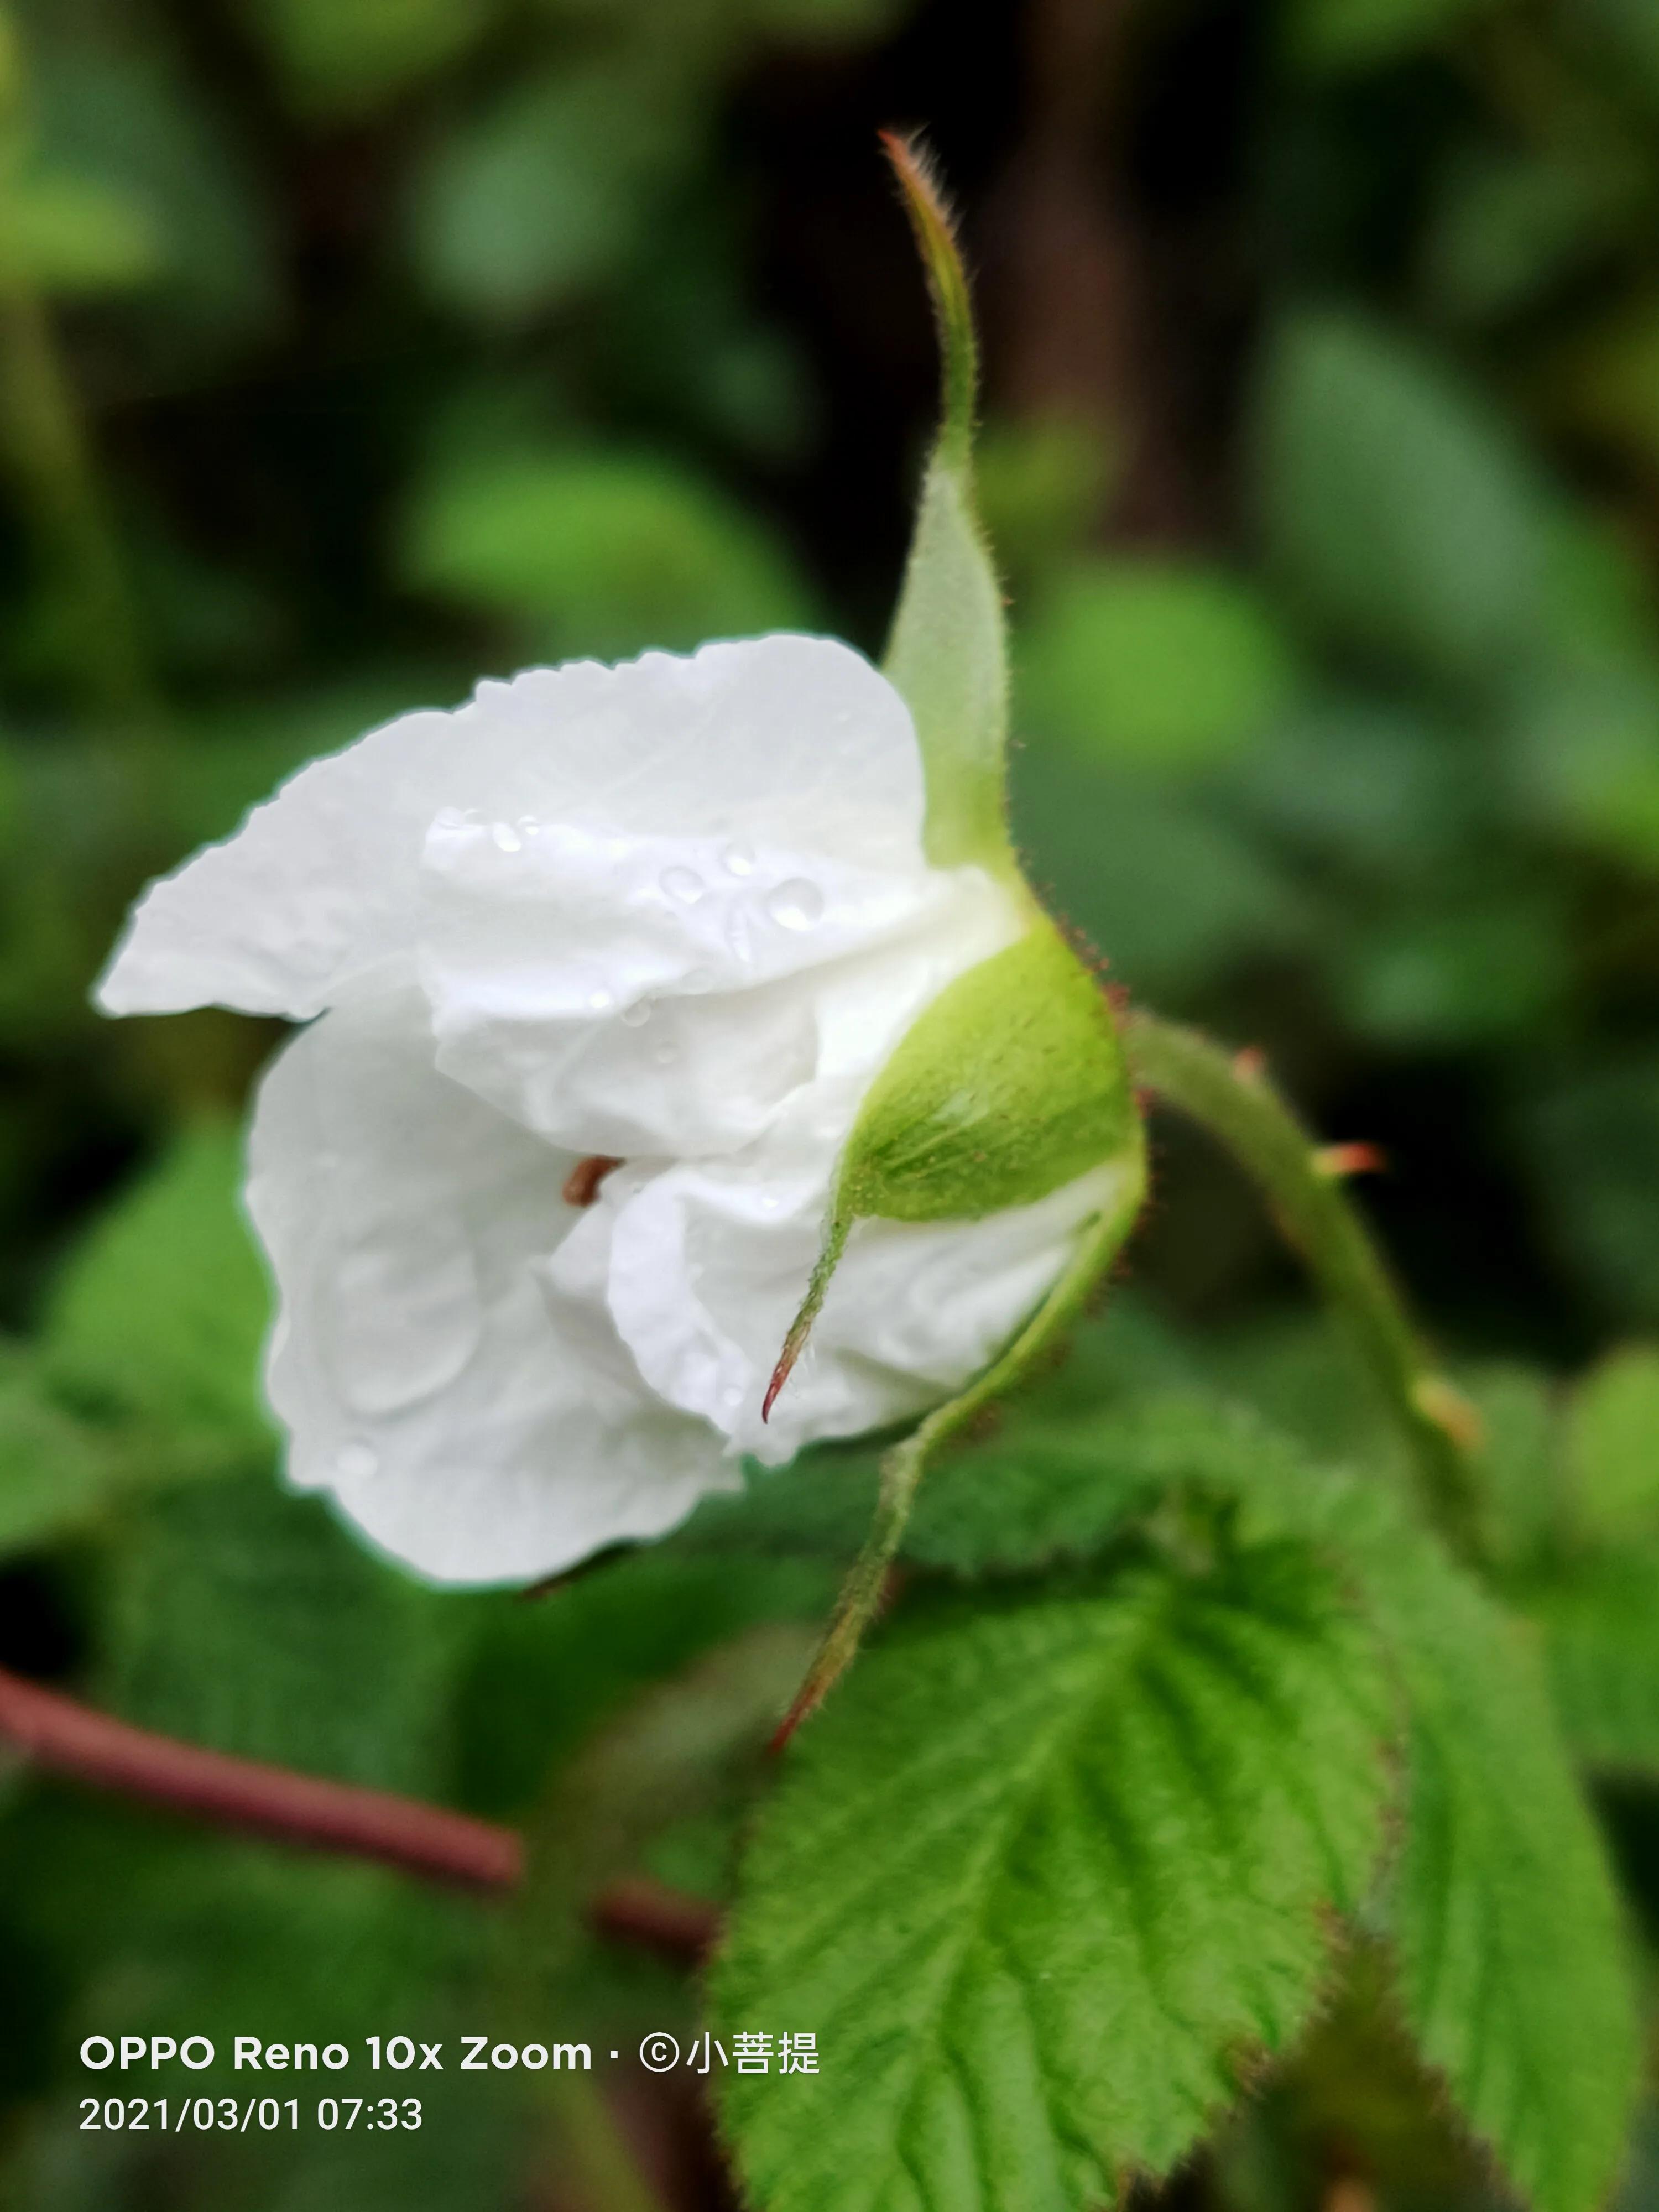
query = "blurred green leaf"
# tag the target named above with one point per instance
(1593, 1136)
(1519, 1462)
(688, 1745)
(1169, 891)
(602, 553)
(1355, 34)
(68, 234)
(549, 190)
(1606, 378)
(1611, 1448)
(1507, 227)
(1153, 665)
(544, 1670)
(237, 1614)
(116, 112)
(1587, 751)
(1043, 1878)
(160, 1315)
(56, 1470)
(1458, 975)
(1042, 486)
(1362, 780)
(340, 56)
(1397, 507)
(1600, 1631)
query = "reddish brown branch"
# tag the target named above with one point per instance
(242, 1793)
(638, 1909)
(68, 1738)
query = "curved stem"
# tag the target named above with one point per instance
(1240, 1108)
(244, 1793)
(903, 1466)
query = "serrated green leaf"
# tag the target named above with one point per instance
(1509, 1931)
(1041, 1879)
(1611, 1447)
(1501, 1912)
(160, 1314)
(1052, 1491)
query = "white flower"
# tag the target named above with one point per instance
(676, 914)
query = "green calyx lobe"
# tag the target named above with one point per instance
(1011, 1085)
(947, 656)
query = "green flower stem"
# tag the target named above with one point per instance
(1239, 1107)
(903, 1466)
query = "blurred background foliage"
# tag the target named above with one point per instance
(349, 349)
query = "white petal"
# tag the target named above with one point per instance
(314, 891)
(417, 1362)
(631, 994)
(709, 1266)
(793, 740)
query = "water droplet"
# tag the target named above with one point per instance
(684, 885)
(797, 904)
(770, 1202)
(732, 1396)
(738, 859)
(506, 836)
(666, 1055)
(637, 1015)
(697, 981)
(600, 1002)
(529, 825)
(357, 1460)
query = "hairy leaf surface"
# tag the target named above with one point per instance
(1040, 1880)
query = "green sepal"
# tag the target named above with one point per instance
(1011, 1085)
(948, 655)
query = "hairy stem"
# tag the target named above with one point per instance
(903, 1466)
(1239, 1107)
